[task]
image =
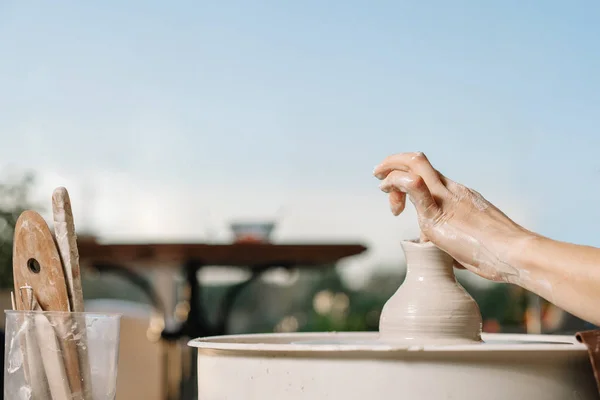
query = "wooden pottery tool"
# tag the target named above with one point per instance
(66, 242)
(37, 264)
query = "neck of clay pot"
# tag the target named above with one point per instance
(427, 261)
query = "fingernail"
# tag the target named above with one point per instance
(376, 174)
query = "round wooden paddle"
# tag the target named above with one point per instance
(36, 263)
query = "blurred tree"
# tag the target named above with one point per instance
(14, 199)
(500, 302)
(320, 301)
(344, 309)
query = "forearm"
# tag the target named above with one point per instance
(565, 274)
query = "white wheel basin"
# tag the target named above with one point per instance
(357, 366)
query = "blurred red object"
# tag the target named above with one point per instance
(491, 326)
(252, 232)
(249, 239)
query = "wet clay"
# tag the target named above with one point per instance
(430, 307)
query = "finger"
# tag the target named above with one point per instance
(417, 163)
(397, 202)
(423, 238)
(415, 187)
(408, 162)
(397, 181)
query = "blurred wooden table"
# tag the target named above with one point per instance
(192, 257)
(234, 254)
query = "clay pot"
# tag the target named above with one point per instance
(430, 307)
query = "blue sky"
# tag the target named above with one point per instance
(167, 119)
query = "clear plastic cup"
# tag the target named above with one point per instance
(60, 355)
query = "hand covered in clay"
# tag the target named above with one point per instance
(455, 218)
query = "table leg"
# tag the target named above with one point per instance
(229, 299)
(136, 279)
(196, 324)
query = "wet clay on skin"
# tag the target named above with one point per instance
(457, 219)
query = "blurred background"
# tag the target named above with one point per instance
(170, 122)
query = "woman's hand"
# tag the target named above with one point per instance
(485, 241)
(455, 218)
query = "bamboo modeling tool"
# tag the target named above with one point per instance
(66, 241)
(46, 274)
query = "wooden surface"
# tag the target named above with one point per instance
(66, 241)
(235, 254)
(592, 340)
(33, 240)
